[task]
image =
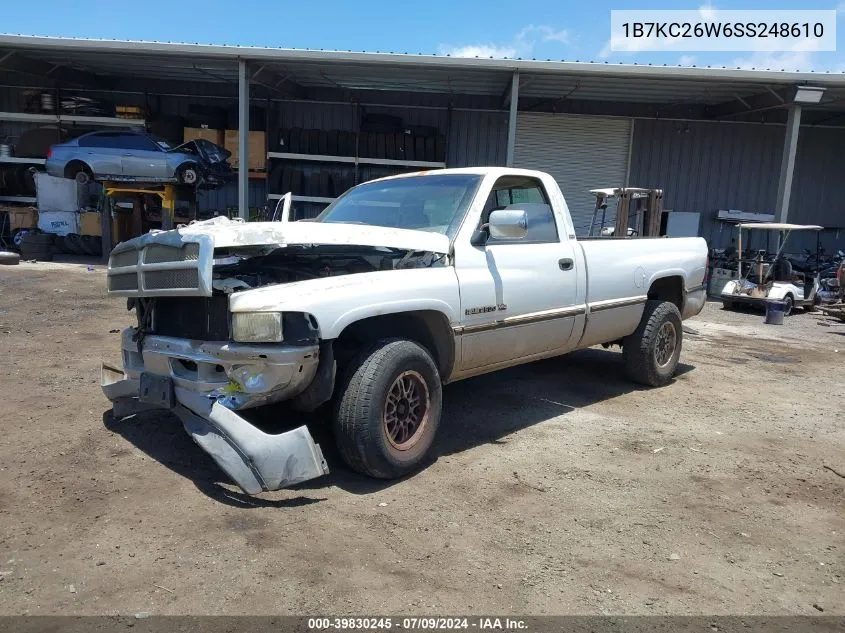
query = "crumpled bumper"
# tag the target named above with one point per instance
(210, 381)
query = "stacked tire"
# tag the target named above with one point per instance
(38, 246)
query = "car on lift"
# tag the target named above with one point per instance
(126, 156)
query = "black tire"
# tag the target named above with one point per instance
(325, 184)
(651, 359)
(275, 179)
(332, 142)
(313, 142)
(188, 174)
(440, 149)
(364, 437)
(813, 307)
(38, 253)
(313, 184)
(430, 149)
(80, 172)
(18, 237)
(35, 238)
(295, 141)
(323, 142)
(73, 243)
(8, 258)
(90, 245)
(728, 305)
(790, 304)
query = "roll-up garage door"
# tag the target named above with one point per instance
(580, 152)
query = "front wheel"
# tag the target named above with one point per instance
(188, 175)
(788, 303)
(651, 353)
(389, 409)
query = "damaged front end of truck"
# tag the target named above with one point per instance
(190, 354)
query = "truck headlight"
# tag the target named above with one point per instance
(257, 327)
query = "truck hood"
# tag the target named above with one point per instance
(226, 233)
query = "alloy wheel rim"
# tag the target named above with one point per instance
(664, 346)
(406, 410)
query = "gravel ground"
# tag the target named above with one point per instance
(559, 487)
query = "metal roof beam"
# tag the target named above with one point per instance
(612, 108)
(16, 62)
(271, 80)
(755, 103)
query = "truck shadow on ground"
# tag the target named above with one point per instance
(476, 411)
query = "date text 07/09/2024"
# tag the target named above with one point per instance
(417, 623)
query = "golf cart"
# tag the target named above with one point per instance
(762, 280)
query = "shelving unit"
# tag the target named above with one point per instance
(22, 161)
(26, 117)
(355, 160)
(326, 162)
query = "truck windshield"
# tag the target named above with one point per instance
(434, 203)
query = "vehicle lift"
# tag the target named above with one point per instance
(169, 195)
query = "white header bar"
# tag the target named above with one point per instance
(717, 30)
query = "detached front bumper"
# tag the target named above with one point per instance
(205, 383)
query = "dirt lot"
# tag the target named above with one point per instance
(559, 487)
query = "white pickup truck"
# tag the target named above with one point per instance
(400, 286)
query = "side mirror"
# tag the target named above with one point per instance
(508, 224)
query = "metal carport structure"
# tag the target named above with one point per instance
(512, 86)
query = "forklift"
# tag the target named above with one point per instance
(643, 206)
(130, 210)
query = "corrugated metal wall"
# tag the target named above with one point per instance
(817, 192)
(477, 138)
(708, 166)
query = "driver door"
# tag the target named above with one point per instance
(517, 296)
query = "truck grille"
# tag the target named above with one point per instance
(197, 318)
(146, 268)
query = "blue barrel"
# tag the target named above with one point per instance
(775, 311)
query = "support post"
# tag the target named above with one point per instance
(787, 163)
(514, 102)
(243, 137)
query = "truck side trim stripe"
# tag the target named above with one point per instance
(610, 304)
(695, 288)
(523, 319)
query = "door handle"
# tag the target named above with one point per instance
(565, 263)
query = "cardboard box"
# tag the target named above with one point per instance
(257, 156)
(215, 136)
(90, 223)
(21, 218)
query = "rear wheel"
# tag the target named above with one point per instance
(389, 409)
(651, 353)
(80, 172)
